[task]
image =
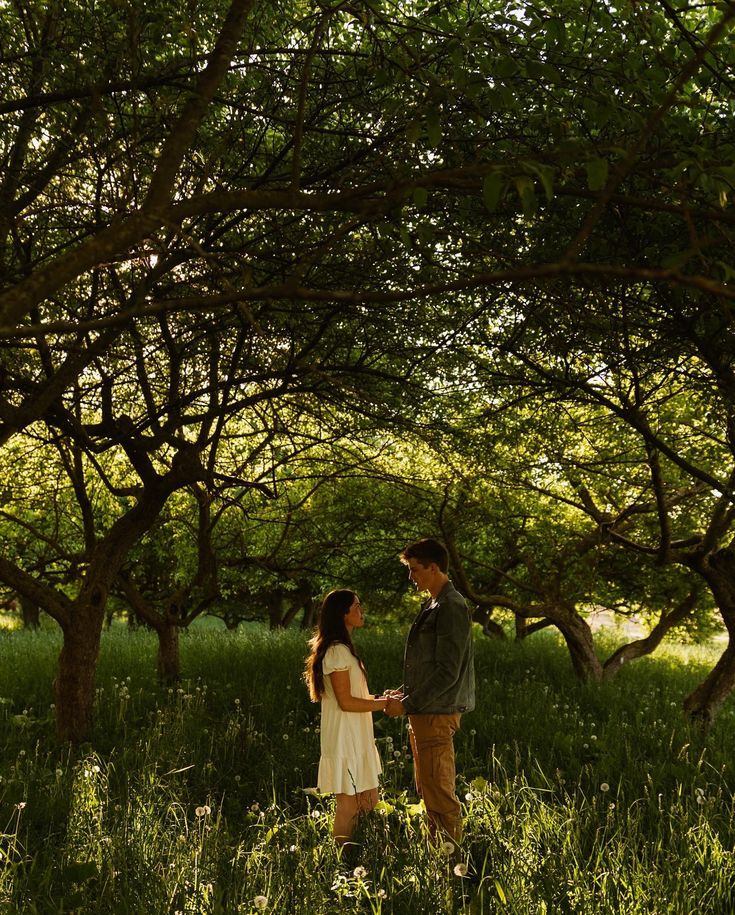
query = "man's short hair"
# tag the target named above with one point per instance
(427, 551)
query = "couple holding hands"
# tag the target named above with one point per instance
(438, 686)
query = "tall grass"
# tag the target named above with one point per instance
(196, 799)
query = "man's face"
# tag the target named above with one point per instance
(420, 575)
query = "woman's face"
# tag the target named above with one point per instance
(355, 616)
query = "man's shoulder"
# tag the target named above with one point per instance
(451, 597)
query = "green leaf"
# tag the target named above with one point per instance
(505, 67)
(492, 187)
(556, 33)
(434, 127)
(677, 259)
(413, 131)
(546, 176)
(597, 169)
(501, 893)
(527, 193)
(420, 197)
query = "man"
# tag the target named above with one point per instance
(438, 685)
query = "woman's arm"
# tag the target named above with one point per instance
(347, 702)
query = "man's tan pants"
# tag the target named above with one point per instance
(432, 744)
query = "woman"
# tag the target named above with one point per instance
(349, 765)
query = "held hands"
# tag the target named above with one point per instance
(393, 703)
(394, 707)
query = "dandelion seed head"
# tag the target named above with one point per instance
(460, 870)
(447, 848)
(360, 872)
(604, 787)
(260, 903)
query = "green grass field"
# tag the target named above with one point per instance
(583, 799)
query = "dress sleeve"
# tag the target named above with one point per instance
(337, 657)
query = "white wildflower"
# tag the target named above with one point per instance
(260, 903)
(360, 872)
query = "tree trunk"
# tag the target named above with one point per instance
(703, 703)
(529, 628)
(641, 647)
(169, 664)
(75, 680)
(482, 615)
(30, 612)
(578, 636)
(307, 620)
(274, 603)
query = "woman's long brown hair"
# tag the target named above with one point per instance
(330, 629)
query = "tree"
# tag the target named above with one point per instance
(330, 199)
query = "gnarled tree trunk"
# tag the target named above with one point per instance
(641, 647)
(703, 703)
(580, 642)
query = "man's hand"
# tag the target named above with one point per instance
(394, 707)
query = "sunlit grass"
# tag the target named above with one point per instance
(10, 621)
(196, 799)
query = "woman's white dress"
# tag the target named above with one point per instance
(349, 758)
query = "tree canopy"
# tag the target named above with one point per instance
(320, 277)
